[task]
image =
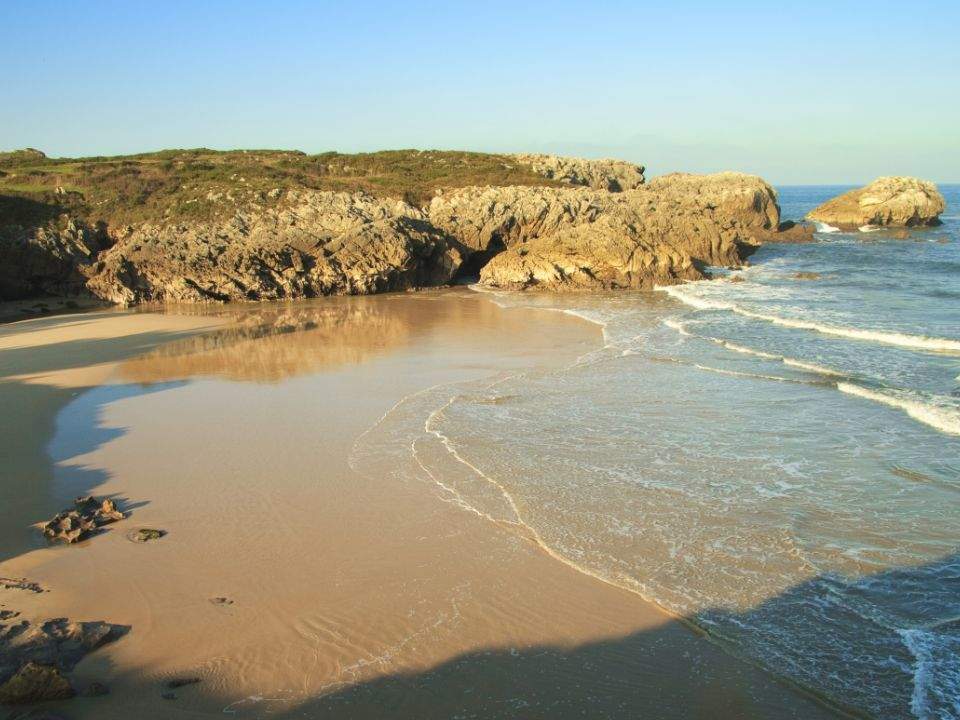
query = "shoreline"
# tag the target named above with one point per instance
(406, 343)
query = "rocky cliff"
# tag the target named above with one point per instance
(887, 201)
(305, 243)
(311, 244)
(661, 233)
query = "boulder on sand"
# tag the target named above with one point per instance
(77, 524)
(886, 202)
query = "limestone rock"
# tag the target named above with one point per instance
(77, 524)
(311, 244)
(661, 233)
(47, 260)
(607, 174)
(307, 243)
(887, 201)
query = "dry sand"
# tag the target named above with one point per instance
(349, 594)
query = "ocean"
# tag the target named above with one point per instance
(775, 459)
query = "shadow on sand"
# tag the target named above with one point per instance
(32, 487)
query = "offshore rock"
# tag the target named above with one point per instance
(887, 201)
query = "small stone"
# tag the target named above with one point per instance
(181, 682)
(96, 689)
(147, 534)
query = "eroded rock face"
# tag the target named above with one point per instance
(607, 174)
(47, 260)
(886, 202)
(313, 243)
(316, 243)
(662, 233)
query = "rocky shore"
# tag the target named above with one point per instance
(591, 224)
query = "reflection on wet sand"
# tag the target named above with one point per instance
(268, 344)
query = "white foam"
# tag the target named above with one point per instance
(736, 373)
(678, 326)
(809, 367)
(868, 228)
(826, 227)
(745, 350)
(944, 419)
(582, 315)
(914, 342)
(936, 674)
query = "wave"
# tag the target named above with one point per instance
(799, 364)
(755, 376)
(676, 325)
(944, 419)
(914, 342)
(823, 227)
(580, 314)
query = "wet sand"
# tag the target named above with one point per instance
(347, 593)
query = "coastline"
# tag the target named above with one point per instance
(335, 577)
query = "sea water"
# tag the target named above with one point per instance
(776, 458)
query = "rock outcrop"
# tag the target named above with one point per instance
(607, 174)
(315, 243)
(47, 260)
(886, 202)
(661, 233)
(35, 656)
(308, 243)
(83, 520)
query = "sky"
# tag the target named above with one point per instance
(801, 91)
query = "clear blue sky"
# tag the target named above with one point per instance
(797, 91)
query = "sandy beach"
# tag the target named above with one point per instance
(299, 577)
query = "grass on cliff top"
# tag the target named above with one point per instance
(174, 185)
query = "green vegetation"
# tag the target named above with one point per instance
(201, 183)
